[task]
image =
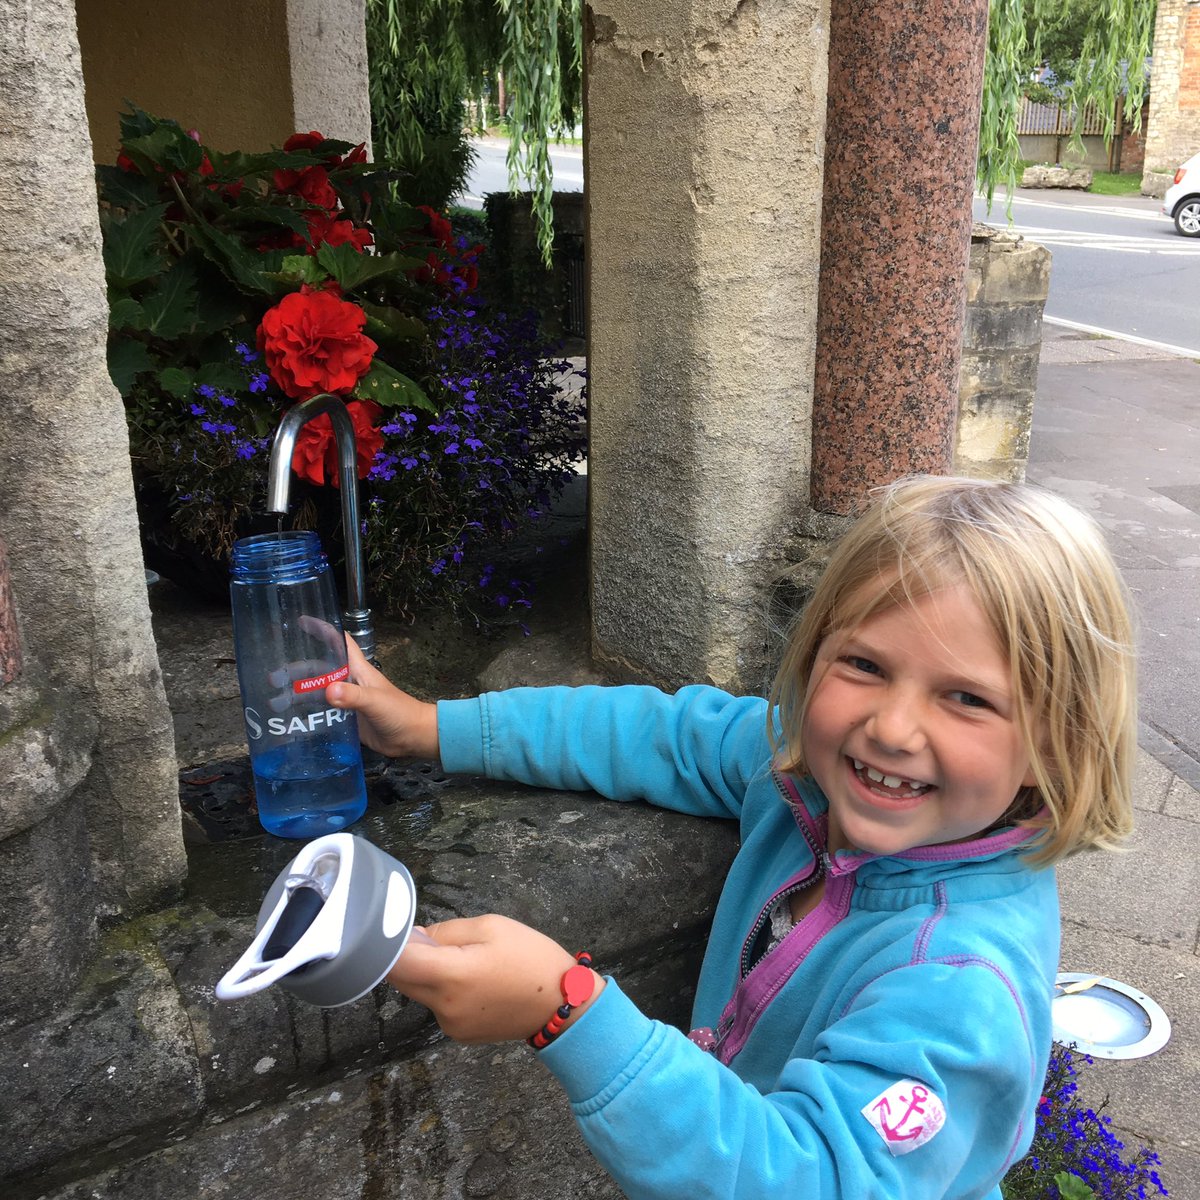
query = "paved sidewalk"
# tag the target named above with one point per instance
(1117, 430)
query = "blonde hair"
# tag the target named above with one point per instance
(1041, 572)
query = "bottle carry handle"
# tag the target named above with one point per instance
(321, 940)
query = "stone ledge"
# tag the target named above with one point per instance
(1079, 178)
(141, 1058)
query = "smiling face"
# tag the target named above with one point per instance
(910, 726)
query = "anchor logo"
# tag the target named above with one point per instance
(897, 1132)
(906, 1115)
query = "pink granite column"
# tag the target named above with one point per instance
(901, 141)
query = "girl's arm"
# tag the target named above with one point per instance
(668, 1120)
(925, 1044)
(695, 751)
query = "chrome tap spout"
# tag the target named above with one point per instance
(357, 616)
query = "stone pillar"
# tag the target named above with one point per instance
(91, 797)
(1007, 283)
(902, 132)
(327, 44)
(1173, 127)
(705, 126)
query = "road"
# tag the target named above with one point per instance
(490, 172)
(1119, 265)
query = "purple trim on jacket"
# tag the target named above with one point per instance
(762, 983)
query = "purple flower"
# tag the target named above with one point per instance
(259, 381)
(384, 466)
(198, 410)
(203, 389)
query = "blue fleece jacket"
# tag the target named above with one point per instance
(893, 1045)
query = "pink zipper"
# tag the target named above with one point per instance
(758, 986)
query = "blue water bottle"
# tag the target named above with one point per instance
(308, 773)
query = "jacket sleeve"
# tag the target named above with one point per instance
(668, 1120)
(695, 751)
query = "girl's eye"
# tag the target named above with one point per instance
(969, 700)
(861, 664)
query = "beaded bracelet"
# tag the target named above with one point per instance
(577, 986)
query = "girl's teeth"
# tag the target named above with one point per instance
(890, 781)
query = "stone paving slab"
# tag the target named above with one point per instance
(1151, 1099)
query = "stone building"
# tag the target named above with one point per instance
(1173, 130)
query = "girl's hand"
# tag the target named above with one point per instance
(489, 979)
(389, 720)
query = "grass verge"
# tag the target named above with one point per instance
(1106, 184)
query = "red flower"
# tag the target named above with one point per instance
(312, 139)
(313, 342)
(304, 141)
(434, 271)
(322, 227)
(312, 184)
(127, 164)
(315, 458)
(439, 227)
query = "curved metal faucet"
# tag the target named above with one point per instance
(356, 618)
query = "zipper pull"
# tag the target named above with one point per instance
(709, 1040)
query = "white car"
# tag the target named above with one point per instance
(1182, 200)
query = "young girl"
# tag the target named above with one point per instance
(954, 713)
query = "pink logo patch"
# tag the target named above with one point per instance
(906, 1116)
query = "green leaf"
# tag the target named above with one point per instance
(395, 225)
(127, 359)
(1071, 1187)
(168, 148)
(392, 328)
(277, 215)
(352, 269)
(225, 377)
(125, 312)
(124, 189)
(228, 254)
(238, 165)
(132, 246)
(219, 307)
(300, 268)
(176, 382)
(171, 308)
(137, 123)
(389, 388)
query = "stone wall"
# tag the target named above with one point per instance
(1007, 282)
(138, 1084)
(245, 73)
(1173, 131)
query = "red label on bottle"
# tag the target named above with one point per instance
(300, 686)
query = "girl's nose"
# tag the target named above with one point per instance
(895, 724)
